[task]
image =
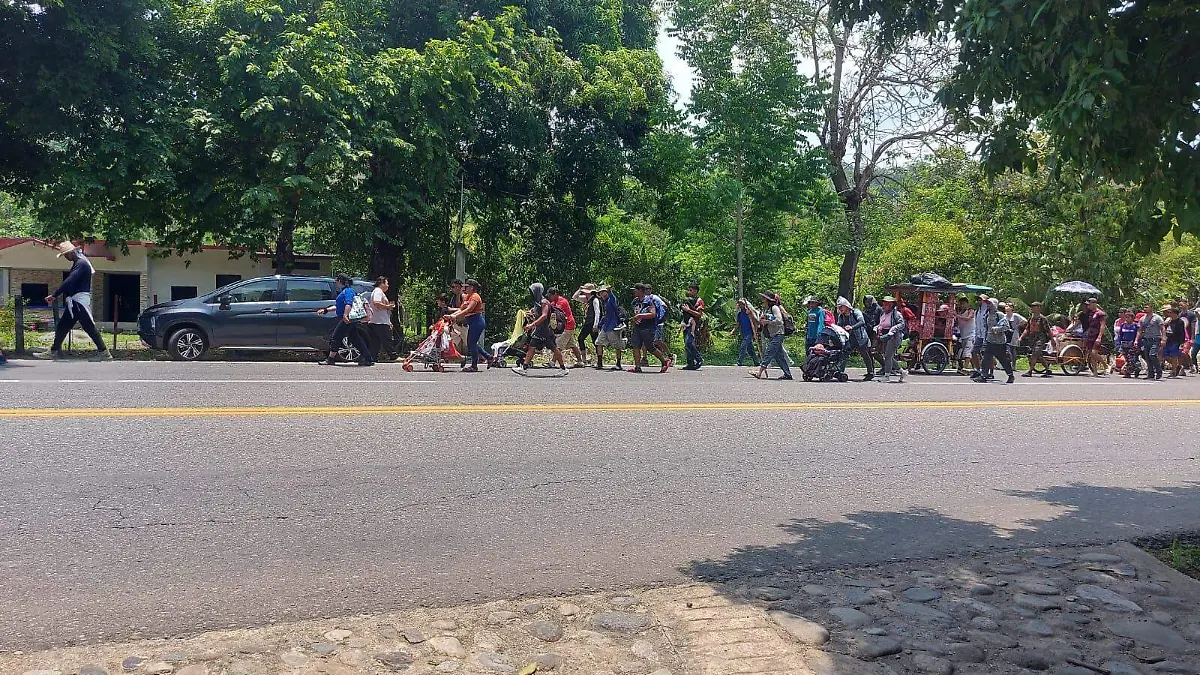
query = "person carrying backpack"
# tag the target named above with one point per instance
(647, 329)
(891, 329)
(541, 335)
(772, 321)
(660, 328)
(350, 310)
(854, 323)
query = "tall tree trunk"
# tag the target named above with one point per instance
(285, 244)
(849, 271)
(385, 261)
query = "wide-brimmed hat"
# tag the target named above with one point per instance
(1035, 304)
(983, 296)
(1167, 308)
(769, 297)
(888, 298)
(601, 288)
(65, 247)
(589, 287)
(808, 299)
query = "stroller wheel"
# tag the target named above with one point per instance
(842, 377)
(408, 368)
(807, 377)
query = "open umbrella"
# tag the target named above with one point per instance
(1080, 287)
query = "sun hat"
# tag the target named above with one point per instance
(809, 299)
(602, 288)
(768, 296)
(888, 298)
(65, 247)
(983, 296)
(1035, 303)
(589, 287)
(842, 302)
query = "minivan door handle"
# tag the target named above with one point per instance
(268, 311)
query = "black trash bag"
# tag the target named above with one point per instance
(930, 279)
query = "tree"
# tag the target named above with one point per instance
(268, 144)
(1113, 84)
(880, 106)
(752, 108)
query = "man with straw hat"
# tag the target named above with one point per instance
(76, 291)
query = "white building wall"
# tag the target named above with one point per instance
(199, 270)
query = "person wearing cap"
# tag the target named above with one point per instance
(981, 327)
(996, 344)
(814, 321)
(693, 314)
(854, 323)
(891, 329)
(610, 328)
(76, 292)
(1174, 333)
(964, 317)
(746, 319)
(1016, 323)
(871, 311)
(566, 339)
(660, 328)
(1150, 337)
(771, 321)
(590, 299)
(1036, 335)
(646, 317)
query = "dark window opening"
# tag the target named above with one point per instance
(224, 280)
(35, 294)
(307, 266)
(183, 292)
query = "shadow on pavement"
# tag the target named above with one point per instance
(1092, 515)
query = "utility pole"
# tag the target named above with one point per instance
(460, 251)
(741, 282)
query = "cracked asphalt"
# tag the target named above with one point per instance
(119, 527)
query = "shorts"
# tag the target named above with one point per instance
(566, 339)
(1172, 350)
(975, 346)
(610, 338)
(1037, 347)
(658, 333)
(1091, 341)
(542, 338)
(643, 338)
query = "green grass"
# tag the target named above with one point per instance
(1181, 556)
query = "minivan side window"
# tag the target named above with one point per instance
(309, 290)
(255, 291)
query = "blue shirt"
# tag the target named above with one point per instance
(612, 314)
(344, 299)
(816, 321)
(744, 324)
(642, 306)
(660, 309)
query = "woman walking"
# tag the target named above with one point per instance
(470, 314)
(771, 319)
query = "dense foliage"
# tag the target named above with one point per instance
(540, 136)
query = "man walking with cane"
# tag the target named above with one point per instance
(76, 291)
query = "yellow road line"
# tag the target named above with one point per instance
(573, 408)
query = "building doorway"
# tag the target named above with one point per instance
(127, 288)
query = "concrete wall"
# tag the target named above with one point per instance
(199, 270)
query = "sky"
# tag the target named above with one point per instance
(678, 71)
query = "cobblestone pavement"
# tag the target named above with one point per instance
(1070, 611)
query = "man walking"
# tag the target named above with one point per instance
(1150, 335)
(646, 329)
(746, 347)
(982, 321)
(996, 344)
(964, 316)
(693, 314)
(1016, 323)
(1093, 329)
(892, 328)
(566, 339)
(346, 326)
(541, 335)
(76, 292)
(1036, 335)
(379, 320)
(660, 328)
(610, 328)
(853, 321)
(590, 299)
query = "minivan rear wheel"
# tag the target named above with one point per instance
(187, 344)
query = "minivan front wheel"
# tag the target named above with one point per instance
(187, 344)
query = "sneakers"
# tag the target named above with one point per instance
(666, 366)
(903, 373)
(50, 356)
(670, 362)
(868, 377)
(886, 379)
(519, 369)
(1010, 380)
(100, 357)
(563, 372)
(785, 377)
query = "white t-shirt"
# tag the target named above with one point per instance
(966, 328)
(379, 315)
(1014, 324)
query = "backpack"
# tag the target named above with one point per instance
(558, 319)
(660, 309)
(789, 324)
(358, 309)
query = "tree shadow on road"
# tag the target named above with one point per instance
(1091, 514)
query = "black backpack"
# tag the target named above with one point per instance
(789, 324)
(558, 319)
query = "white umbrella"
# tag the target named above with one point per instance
(1080, 287)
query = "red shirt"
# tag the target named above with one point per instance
(565, 305)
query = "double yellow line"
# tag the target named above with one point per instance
(467, 408)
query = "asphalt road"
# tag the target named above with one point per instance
(188, 511)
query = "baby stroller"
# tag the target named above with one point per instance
(826, 361)
(435, 349)
(513, 347)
